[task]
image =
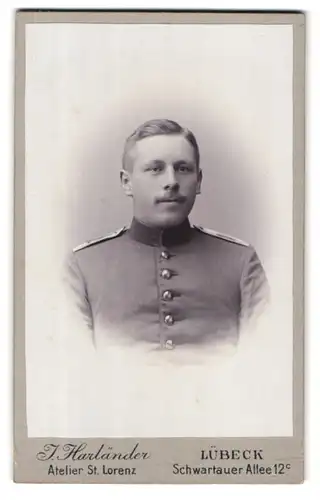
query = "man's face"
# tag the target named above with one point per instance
(163, 179)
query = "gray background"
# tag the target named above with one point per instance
(89, 86)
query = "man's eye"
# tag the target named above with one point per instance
(155, 168)
(184, 168)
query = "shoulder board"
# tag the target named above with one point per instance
(109, 236)
(222, 236)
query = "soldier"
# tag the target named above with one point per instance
(161, 280)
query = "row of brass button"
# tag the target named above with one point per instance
(167, 295)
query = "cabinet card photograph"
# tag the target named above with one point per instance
(159, 205)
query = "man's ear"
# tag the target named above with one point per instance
(199, 181)
(125, 179)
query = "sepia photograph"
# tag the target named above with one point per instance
(159, 228)
(127, 127)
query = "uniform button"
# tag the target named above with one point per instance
(168, 319)
(165, 254)
(169, 344)
(166, 274)
(167, 295)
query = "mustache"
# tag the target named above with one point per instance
(178, 198)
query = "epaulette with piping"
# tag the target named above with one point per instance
(222, 236)
(109, 236)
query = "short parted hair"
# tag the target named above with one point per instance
(159, 127)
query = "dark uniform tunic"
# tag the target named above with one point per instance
(171, 287)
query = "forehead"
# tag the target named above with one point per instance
(163, 147)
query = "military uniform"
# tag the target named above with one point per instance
(168, 288)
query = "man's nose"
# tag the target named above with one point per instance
(170, 181)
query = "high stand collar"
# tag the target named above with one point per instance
(156, 236)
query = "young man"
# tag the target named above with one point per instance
(162, 281)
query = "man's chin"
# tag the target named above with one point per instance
(162, 220)
(170, 220)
